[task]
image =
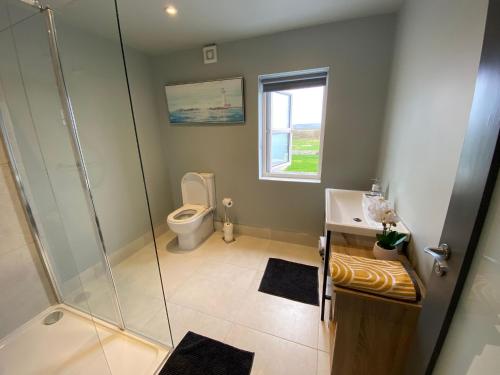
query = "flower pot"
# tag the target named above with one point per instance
(384, 254)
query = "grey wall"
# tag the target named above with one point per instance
(25, 290)
(359, 53)
(21, 120)
(432, 84)
(149, 128)
(95, 77)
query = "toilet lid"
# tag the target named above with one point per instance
(194, 189)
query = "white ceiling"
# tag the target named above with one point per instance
(146, 26)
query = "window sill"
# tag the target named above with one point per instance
(290, 179)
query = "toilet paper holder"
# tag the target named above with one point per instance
(227, 226)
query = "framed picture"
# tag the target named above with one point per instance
(221, 101)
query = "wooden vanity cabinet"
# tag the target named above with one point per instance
(370, 335)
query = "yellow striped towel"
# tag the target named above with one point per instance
(385, 278)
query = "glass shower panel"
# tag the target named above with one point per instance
(93, 66)
(54, 181)
(4, 17)
(21, 130)
(14, 11)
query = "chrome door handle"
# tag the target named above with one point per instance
(442, 251)
(440, 254)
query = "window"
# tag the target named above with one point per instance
(292, 107)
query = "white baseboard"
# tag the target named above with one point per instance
(306, 239)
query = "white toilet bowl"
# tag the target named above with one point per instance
(193, 222)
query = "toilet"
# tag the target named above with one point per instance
(193, 222)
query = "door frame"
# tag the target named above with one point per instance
(474, 184)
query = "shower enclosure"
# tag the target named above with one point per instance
(74, 148)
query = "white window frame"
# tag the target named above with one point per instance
(269, 132)
(265, 138)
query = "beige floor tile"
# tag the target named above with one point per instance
(248, 252)
(214, 249)
(163, 239)
(183, 319)
(278, 316)
(176, 269)
(137, 309)
(273, 356)
(213, 291)
(157, 327)
(323, 336)
(3, 153)
(291, 252)
(323, 363)
(141, 281)
(227, 272)
(220, 297)
(323, 330)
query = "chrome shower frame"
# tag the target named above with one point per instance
(70, 120)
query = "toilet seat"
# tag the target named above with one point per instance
(187, 213)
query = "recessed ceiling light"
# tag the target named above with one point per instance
(171, 10)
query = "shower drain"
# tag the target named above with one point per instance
(53, 317)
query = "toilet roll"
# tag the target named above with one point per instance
(227, 202)
(228, 232)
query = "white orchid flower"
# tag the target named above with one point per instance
(381, 211)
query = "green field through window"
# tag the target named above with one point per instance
(305, 153)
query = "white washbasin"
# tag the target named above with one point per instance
(345, 214)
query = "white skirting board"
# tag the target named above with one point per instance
(306, 239)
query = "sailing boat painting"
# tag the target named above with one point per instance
(218, 101)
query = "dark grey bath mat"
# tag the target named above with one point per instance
(295, 281)
(199, 355)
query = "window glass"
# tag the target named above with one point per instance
(280, 110)
(292, 126)
(280, 146)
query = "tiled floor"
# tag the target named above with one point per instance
(213, 291)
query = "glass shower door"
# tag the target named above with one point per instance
(57, 195)
(91, 204)
(94, 71)
(28, 97)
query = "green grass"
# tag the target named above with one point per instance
(304, 163)
(305, 144)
